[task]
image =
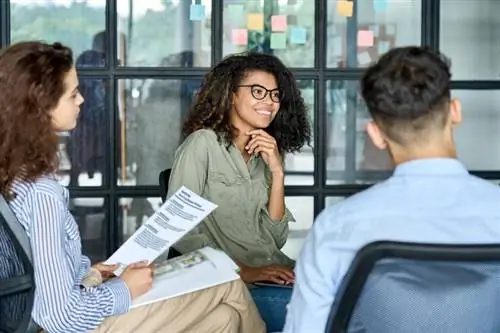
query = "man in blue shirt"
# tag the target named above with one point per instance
(429, 198)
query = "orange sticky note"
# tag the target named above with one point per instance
(255, 21)
(239, 36)
(365, 38)
(345, 8)
(278, 23)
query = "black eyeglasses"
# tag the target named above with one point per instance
(259, 92)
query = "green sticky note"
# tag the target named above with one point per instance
(278, 40)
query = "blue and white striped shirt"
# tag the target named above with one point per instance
(61, 304)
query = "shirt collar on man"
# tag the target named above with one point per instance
(431, 166)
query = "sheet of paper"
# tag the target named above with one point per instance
(278, 23)
(255, 21)
(345, 8)
(197, 12)
(278, 40)
(176, 217)
(195, 271)
(239, 36)
(298, 35)
(365, 38)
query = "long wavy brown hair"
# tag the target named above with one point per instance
(31, 83)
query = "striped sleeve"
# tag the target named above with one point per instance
(61, 305)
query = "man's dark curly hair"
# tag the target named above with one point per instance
(212, 108)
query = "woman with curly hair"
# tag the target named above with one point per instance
(39, 98)
(248, 113)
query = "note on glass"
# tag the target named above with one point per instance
(255, 21)
(176, 217)
(197, 12)
(278, 40)
(278, 23)
(383, 47)
(345, 8)
(239, 36)
(235, 12)
(365, 38)
(379, 6)
(298, 35)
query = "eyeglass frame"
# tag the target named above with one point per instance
(268, 92)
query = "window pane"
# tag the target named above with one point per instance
(135, 212)
(151, 126)
(284, 28)
(92, 219)
(164, 33)
(469, 36)
(83, 150)
(74, 23)
(357, 37)
(478, 135)
(299, 167)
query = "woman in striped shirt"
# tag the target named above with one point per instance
(39, 97)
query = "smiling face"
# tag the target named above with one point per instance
(255, 102)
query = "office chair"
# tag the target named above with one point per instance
(394, 287)
(17, 283)
(164, 177)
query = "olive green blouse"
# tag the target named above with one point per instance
(240, 225)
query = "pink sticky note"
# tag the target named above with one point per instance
(278, 23)
(239, 36)
(365, 38)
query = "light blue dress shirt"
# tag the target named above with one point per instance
(428, 200)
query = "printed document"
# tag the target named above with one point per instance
(191, 272)
(176, 217)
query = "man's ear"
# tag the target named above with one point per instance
(455, 112)
(376, 135)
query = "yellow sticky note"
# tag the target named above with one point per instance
(255, 21)
(345, 8)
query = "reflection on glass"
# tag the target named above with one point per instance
(165, 33)
(351, 156)
(151, 126)
(357, 37)
(302, 209)
(92, 219)
(134, 212)
(299, 167)
(469, 35)
(83, 150)
(477, 134)
(284, 28)
(74, 23)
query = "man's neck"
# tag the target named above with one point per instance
(405, 155)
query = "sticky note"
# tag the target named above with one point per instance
(255, 21)
(298, 35)
(365, 38)
(278, 40)
(364, 58)
(278, 23)
(235, 11)
(383, 47)
(379, 5)
(197, 12)
(239, 36)
(345, 8)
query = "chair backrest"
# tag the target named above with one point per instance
(163, 180)
(407, 287)
(17, 286)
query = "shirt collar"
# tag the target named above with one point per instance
(429, 166)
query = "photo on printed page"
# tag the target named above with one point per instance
(179, 264)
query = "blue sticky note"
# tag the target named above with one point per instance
(379, 6)
(298, 35)
(383, 47)
(197, 12)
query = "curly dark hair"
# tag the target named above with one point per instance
(32, 82)
(211, 110)
(408, 91)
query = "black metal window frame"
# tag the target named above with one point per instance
(321, 74)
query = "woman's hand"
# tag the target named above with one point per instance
(106, 270)
(273, 273)
(264, 144)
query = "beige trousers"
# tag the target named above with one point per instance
(227, 308)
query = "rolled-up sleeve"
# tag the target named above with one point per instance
(190, 169)
(61, 305)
